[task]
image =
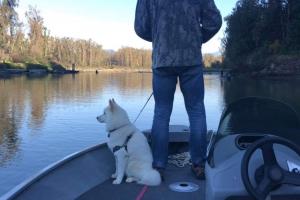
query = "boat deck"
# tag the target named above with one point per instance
(173, 174)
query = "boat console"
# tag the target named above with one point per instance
(244, 141)
(256, 152)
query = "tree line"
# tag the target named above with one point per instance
(258, 29)
(38, 46)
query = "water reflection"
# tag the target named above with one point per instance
(281, 89)
(11, 112)
(25, 100)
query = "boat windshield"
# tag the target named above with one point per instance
(255, 115)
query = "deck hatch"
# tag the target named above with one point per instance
(184, 187)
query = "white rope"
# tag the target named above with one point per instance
(180, 160)
(183, 159)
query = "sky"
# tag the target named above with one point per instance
(107, 22)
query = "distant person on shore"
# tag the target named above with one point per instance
(177, 29)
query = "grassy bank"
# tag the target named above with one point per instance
(32, 68)
(54, 67)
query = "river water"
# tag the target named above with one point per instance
(43, 119)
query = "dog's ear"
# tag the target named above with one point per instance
(113, 100)
(111, 105)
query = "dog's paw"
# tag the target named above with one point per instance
(117, 182)
(114, 175)
(129, 180)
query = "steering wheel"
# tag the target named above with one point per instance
(273, 176)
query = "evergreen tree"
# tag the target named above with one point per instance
(260, 28)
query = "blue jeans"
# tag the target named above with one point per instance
(192, 87)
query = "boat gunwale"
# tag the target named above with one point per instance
(23, 186)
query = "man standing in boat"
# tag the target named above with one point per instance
(177, 30)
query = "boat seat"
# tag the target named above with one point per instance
(178, 133)
(178, 138)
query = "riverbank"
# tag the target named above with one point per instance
(7, 69)
(275, 66)
(116, 69)
(282, 65)
(271, 66)
(29, 68)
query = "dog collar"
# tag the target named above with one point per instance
(113, 130)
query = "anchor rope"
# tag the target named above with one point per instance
(180, 160)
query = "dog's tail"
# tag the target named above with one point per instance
(150, 178)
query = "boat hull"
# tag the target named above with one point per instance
(68, 178)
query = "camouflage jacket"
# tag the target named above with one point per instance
(177, 29)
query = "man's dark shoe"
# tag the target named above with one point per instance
(199, 171)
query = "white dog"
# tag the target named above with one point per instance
(130, 147)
